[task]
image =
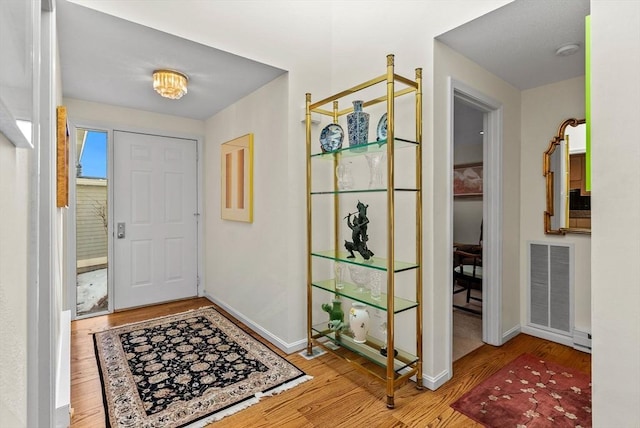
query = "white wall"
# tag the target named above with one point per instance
(615, 212)
(14, 169)
(247, 264)
(82, 112)
(543, 110)
(450, 63)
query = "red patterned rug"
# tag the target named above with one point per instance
(530, 392)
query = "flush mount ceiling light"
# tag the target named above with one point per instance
(568, 49)
(170, 84)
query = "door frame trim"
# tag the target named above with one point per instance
(492, 209)
(71, 231)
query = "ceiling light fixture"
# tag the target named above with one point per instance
(170, 84)
(568, 49)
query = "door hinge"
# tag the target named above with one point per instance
(198, 281)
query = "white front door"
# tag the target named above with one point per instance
(155, 219)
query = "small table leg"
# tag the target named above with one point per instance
(390, 403)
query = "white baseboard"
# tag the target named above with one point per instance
(63, 375)
(288, 348)
(510, 334)
(548, 335)
(435, 382)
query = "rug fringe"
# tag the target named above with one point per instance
(113, 327)
(284, 387)
(248, 403)
(226, 412)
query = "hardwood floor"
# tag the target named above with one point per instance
(338, 396)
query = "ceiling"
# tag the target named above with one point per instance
(110, 60)
(518, 41)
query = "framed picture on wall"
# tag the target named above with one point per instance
(467, 180)
(237, 179)
(62, 158)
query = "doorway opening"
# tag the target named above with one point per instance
(468, 149)
(92, 221)
(489, 231)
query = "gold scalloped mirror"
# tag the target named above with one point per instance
(568, 202)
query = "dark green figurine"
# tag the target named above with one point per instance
(358, 233)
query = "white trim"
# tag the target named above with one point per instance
(201, 209)
(492, 209)
(288, 348)
(63, 383)
(9, 127)
(437, 381)
(548, 335)
(41, 344)
(507, 336)
(70, 253)
(492, 212)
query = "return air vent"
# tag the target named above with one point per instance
(551, 287)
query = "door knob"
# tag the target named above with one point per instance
(121, 230)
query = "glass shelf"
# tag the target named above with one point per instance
(337, 192)
(369, 350)
(363, 149)
(351, 291)
(374, 262)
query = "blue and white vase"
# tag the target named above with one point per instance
(358, 126)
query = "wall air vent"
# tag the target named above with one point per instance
(550, 288)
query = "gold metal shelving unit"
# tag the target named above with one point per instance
(392, 369)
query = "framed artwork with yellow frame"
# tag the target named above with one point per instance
(62, 158)
(236, 173)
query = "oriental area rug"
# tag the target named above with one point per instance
(187, 369)
(530, 392)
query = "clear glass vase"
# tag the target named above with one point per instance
(360, 277)
(344, 175)
(339, 270)
(377, 163)
(376, 284)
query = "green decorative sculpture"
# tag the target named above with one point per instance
(336, 314)
(358, 233)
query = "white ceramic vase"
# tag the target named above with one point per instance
(359, 322)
